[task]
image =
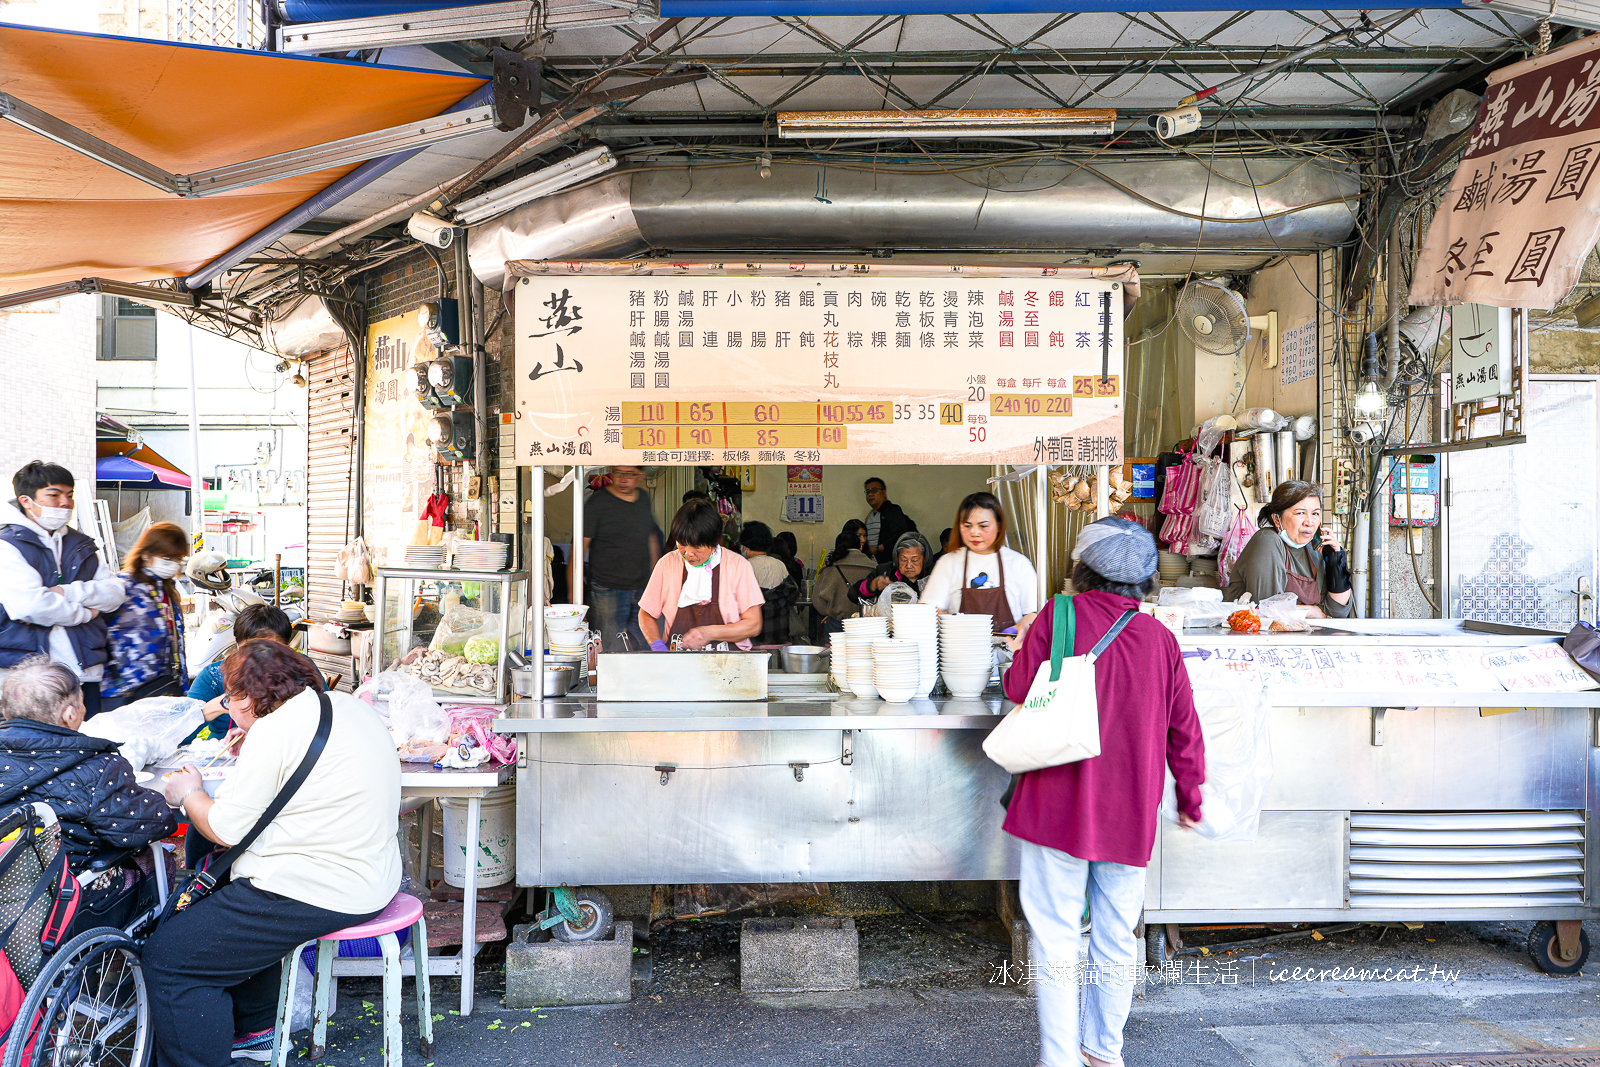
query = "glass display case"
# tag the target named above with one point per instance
(451, 628)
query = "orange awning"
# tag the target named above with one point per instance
(184, 108)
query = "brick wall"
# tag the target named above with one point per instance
(47, 354)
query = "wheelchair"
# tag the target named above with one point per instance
(86, 1004)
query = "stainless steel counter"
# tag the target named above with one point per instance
(1404, 802)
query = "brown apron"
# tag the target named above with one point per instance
(1306, 590)
(706, 614)
(987, 601)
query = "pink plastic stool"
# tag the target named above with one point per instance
(403, 911)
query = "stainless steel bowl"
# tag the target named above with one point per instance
(805, 659)
(557, 680)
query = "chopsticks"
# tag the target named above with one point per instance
(223, 751)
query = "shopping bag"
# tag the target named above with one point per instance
(1059, 722)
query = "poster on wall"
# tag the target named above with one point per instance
(805, 479)
(397, 459)
(802, 369)
(1297, 353)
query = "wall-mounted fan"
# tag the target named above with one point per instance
(1213, 316)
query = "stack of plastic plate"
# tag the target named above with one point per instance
(895, 669)
(966, 653)
(481, 555)
(425, 556)
(836, 660)
(919, 623)
(859, 633)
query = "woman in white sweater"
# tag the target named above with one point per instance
(978, 575)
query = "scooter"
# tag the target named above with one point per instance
(210, 639)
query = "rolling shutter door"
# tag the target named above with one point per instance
(330, 478)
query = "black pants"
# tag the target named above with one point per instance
(213, 969)
(91, 700)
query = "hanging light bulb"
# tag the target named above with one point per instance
(1369, 403)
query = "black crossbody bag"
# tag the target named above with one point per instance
(215, 870)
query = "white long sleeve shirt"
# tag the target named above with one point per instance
(25, 596)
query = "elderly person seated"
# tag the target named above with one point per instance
(103, 813)
(328, 860)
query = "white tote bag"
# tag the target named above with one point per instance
(1059, 722)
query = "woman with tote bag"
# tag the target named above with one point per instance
(1087, 827)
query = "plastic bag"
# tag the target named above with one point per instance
(1235, 721)
(896, 593)
(477, 725)
(1284, 612)
(1240, 530)
(413, 713)
(148, 730)
(1180, 596)
(1212, 513)
(460, 625)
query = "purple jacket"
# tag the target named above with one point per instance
(1105, 808)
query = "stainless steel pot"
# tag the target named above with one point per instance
(557, 680)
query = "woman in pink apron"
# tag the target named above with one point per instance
(1294, 553)
(700, 592)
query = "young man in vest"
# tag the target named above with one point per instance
(54, 588)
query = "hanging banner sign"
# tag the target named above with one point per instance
(932, 369)
(397, 460)
(1518, 222)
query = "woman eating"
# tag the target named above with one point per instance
(1294, 553)
(701, 593)
(147, 631)
(908, 564)
(979, 575)
(329, 859)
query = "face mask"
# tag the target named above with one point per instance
(162, 568)
(1288, 540)
(53, 518)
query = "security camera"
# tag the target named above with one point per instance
(1363, 434)
(1175, 123)
(430, 229)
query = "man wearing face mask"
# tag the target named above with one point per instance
(54, 588)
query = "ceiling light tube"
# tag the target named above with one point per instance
(540, 183)
(998, 122)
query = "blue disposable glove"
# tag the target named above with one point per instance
(658, 646)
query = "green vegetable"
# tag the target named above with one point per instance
(481, 649)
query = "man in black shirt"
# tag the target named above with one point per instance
(622, 542)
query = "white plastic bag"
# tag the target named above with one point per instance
(413, 713)
(1284, 612)
(460, 625)
(1234, 719)
(149, 729)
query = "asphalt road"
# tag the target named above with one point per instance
(926, 1000)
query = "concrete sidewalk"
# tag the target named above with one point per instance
(927, 1000)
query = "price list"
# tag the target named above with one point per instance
(928, 370)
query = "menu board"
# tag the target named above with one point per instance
(1401, 670)
(1539, 668)
(799, 369)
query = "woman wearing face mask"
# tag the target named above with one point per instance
(702, 592)
(1293, 552)
(147, 631)
(979, 575)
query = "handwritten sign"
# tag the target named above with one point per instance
(1297, 353)
(1401, 670)
(1539, 669)
(878, 369)
(1518, 222)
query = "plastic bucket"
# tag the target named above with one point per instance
(497, 838)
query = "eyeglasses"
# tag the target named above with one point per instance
(224, 702)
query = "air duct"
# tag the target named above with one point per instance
(1288, 205)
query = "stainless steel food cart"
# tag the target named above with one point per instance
(1390, 804)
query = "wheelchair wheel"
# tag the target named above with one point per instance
(88, 1008)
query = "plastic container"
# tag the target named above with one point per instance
(497, 838)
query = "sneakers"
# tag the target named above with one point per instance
(257, 1046)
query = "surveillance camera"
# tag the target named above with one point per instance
(1363, 434)
(430, 229)
(1175, 123)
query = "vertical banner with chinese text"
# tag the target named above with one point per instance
(673, 367)
(397, 460)
(1519, 218)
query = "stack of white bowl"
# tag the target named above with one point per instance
(836, 660)
(895, 669)
(919, 623)
(966, 653)
(859, 634)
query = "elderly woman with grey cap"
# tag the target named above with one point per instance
(1087, 828)
(908, 564)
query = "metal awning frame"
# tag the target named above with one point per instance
(355, 149)
(514, 19)
(146, 294)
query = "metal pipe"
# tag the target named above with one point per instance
(575, 594)
(1359, 560)
(1378, 534)
(1041, 527)
(376, 221)
(197, 484)
(536, 563)
(1295, 57)
(353, 182)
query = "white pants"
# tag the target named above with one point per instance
(1053, 890)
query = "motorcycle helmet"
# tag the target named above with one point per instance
(209, 570)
